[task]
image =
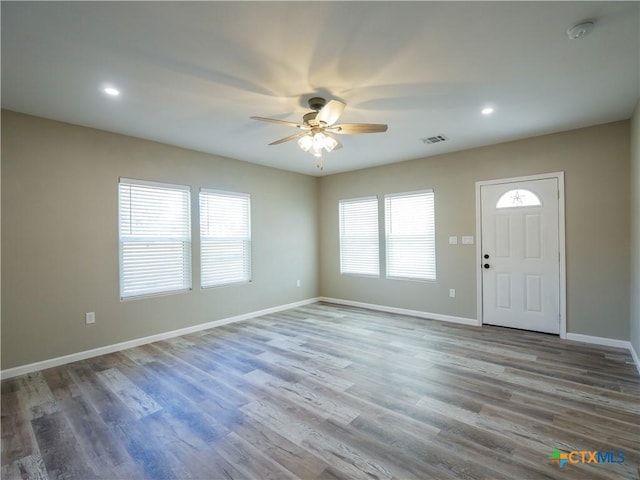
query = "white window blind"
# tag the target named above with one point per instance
(225, 238)
(410, 235)
(359, 236)
(155, 238)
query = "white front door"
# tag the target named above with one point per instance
(521, 255)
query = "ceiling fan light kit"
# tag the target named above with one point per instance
(314, 144)
(318, 126)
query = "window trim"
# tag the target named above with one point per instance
(387, 243)
(340, 235)
(187, 265)
(226, 193)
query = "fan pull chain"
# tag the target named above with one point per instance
(319, 165)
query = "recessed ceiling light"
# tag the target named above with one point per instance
(487, 111)
(580, 30)
(114, 92)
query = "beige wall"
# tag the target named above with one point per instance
(635, 230)
(60, 238)
(596, 165)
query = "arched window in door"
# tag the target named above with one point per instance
(518, 198)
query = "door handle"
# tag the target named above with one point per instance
(486, 255)
(486, 265)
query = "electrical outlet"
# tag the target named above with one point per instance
(467, 240)
(452, 292)
(297, 283)
(90, 317)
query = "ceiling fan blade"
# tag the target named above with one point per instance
(290, 137)
(330, 113)
(279, 122)
(353, 128)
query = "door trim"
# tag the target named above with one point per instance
(561, 242)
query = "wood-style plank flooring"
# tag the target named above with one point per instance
(328, 392)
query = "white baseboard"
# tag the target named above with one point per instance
(403, 311)
(74, 357)
(607, 342)
(636, 358)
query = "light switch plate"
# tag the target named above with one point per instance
(90, 317)
(453, 240)
(467, 240)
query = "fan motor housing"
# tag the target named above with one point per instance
(316, 103)
(309, 118)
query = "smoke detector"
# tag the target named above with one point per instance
(580, 30)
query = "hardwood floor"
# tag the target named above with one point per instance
(328, 392)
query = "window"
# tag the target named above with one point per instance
(359, 236)
(518, 198)
(410, 235)
(225, 238)
(155, 238)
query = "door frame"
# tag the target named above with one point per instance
(561, 242)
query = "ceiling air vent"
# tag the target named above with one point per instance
(434, 139)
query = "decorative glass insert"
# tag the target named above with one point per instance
(518, 198)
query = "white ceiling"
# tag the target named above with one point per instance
(192, 73)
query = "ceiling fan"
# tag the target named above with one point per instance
(318, 128)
